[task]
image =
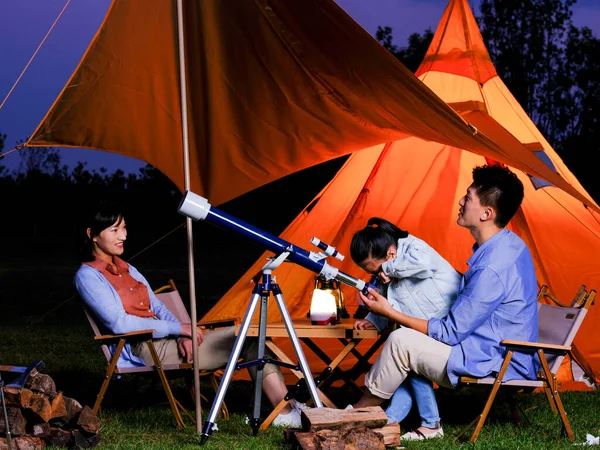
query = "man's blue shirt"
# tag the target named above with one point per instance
(498, 300)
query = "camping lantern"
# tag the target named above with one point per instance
(323, 310)
(333, 288)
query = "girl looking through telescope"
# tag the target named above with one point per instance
(416, 281)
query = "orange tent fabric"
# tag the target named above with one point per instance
(273, 87)
(417, 185)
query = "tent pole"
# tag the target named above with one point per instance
(190, 236)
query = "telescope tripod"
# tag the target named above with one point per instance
(262, 292)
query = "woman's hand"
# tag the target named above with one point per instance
(184, 345)
(186, 331)
(383, 277)
(364, 324)
(376, 303)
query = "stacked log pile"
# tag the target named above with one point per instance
(39, 415)
(354, 429)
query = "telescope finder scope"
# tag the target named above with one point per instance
(327, 249)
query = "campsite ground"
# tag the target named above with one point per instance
(41, 318)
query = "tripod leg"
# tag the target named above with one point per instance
(229, 368)
(258, 382)
(312, 388)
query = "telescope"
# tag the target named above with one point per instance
(198, 208)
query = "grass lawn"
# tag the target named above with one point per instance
(154, 428)
(41, 319)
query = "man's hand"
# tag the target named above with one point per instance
(377, 303)
(364, 324)
(184, 345)
(186, 331)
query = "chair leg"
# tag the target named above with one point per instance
(518, 411)
(550, 398)
(165, 383)
(563, 416)
(110, 370)
(480, 420)
(271, 417)
(553, 388)
(512, 404)
(187, 413)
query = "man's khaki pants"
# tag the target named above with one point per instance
(407, 350)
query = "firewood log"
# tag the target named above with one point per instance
(316, 419)
(88, 421)
(16, 421)
(57, 405)
(41, 430)
(59, 437)
(347, 437)
(39, 409)
(41, 383)
(72, 409)
(390, 433)
(80, 441)
(23, 443)
(17, 397)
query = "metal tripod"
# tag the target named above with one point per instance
(262, 292)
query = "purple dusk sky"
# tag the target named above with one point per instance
(23, 24)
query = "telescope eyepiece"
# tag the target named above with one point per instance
(374, 283)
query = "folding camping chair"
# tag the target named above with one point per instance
(173, 302)
(557, 327)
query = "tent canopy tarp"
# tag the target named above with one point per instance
(273, 87)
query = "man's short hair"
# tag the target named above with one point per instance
(500, 189)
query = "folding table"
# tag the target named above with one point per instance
(307, 332)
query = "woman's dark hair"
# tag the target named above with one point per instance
(98, 219)
(375, 239)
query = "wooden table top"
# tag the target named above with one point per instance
(304, 329)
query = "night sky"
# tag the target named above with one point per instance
(23, 24)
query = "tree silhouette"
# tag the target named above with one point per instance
(551, 67)
(526, 41)
(412, 55)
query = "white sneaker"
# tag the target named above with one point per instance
(302, 406)
(349, 406)
(289, 420)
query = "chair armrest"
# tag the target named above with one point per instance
(534, 346)
(132, 336)
(211, 324)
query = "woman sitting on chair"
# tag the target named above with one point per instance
(122, 300)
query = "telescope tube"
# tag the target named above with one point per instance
(197, 207)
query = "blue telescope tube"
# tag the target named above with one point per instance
(197, 207)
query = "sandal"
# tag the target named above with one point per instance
(417, 435)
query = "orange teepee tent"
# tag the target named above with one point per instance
(417, 184)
